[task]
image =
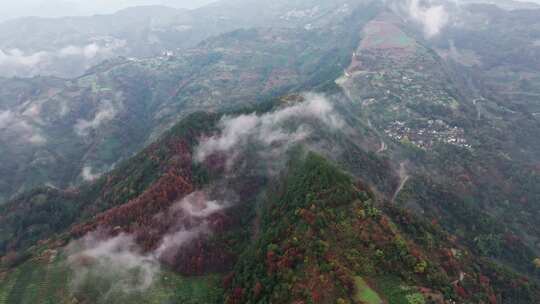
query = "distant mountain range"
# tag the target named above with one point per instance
(63, 8)
(67, 47)
(507, 4)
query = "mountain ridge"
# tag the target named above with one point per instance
(363, 159)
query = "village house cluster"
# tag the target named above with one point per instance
(427, 135)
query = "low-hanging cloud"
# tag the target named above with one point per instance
(121, 262)
(193, 210)
(199, 205)
(6, 118)
(92, 50)
(89, 51)
(88, 174)
(117, 261)
(270, 129)
(18, 62)
(107, 111)
(174, 241)
(433, 18)
(16, 57)
(15, 126)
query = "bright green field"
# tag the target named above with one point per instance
(365, 294)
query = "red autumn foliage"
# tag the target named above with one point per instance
(257, 290)
(271, 262)
(345, 279)
(512, 239)
(149, 217)
(460, 291)
(416, 252)
(174, 183)
(308, 216)
(287, 260)
(200, 257)
(484, 280)
(316, 296)
(238, 294)
(227, 280)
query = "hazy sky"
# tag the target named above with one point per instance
(53, 8)
(10, 9)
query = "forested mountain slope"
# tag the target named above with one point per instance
(362, 161)
(316, 228)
